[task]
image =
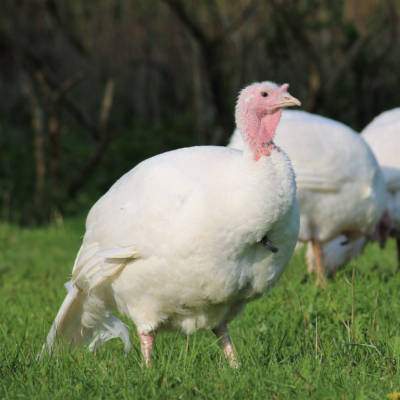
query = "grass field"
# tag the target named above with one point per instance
(297, 342)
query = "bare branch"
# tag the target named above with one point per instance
(213, 67)
(79, 115)
(362, 42)
(38, 142)
(68, 85)
(98, 154)
(388, 46)
(190, 23)
(249, 11)
(52, 9)
(348, 60)
(292, 23)
(53, 84)
(106, 105)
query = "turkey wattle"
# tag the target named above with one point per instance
(187, 237)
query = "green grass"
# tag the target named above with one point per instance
(297, 342)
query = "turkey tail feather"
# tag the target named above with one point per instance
(83, 319)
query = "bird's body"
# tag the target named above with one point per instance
(184, 215)
(339, 184)
(382, 135)
(176, 243)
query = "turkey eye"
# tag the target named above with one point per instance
(264, 94)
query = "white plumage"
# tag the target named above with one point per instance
(177, 241)
(340, 187)
(383, 137)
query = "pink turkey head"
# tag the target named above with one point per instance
(258, 111)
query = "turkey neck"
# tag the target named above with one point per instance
(259, 133)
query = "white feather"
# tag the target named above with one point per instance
(99, 326)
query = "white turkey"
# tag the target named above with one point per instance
(383, 137)
(340, 187)
(186, 238)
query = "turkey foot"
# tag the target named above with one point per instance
(221, 332)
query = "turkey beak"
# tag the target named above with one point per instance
(286, 99)
(289, 101)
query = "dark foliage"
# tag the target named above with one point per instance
(91, 88)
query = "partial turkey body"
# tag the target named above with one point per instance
(340, 187)
(383, 137)
(181, 241)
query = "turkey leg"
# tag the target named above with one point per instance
(146, 345)
(319, 263)
(221, 332)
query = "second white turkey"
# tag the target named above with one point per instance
(383, 137)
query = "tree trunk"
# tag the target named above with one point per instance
(39, 141)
